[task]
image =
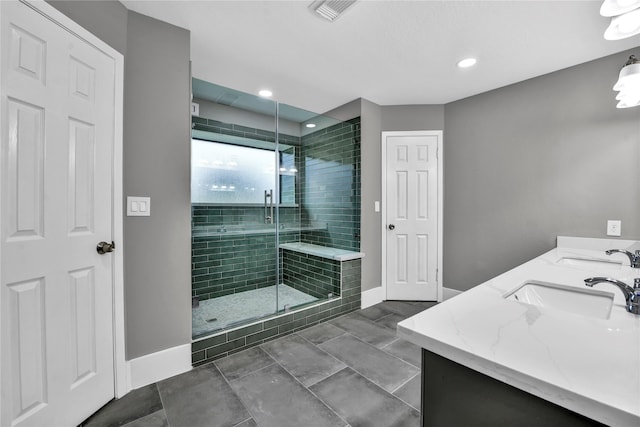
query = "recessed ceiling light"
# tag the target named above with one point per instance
(265, 93)
(310, 125)
(467, 62)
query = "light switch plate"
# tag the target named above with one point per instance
(138, 206)
(614, 227)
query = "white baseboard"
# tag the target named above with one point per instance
(371, 297)
(376, 295)
(449, 293)
(158, 366)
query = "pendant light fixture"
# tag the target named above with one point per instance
(331, 9)
(625, 18)
(628, 84)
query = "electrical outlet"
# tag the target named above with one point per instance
(613, 227)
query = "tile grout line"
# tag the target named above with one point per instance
(312, 393)
(244, 421)
(379, 348)
(328, 354)
(406, 382)
(244, 405)
(247, 374)
(369, 379)
(162, 403)
(399, 358)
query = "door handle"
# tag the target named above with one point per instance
(104, 247)
(268, 206)
(391, 227)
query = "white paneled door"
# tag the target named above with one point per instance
(411, 199)
(57, 112)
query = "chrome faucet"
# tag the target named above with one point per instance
(634, 259)
(631, 295)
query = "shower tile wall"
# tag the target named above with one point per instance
(330, 185)
(313, 275)
(225, 263)
(215, 126)
(221, 345)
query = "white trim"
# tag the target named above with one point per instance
(154, 367)
(119, 337)
(120, 365)
(449, 293)
(383, 210)
(371, 297)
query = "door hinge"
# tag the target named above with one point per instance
(437, 271)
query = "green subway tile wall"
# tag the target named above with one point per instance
(328, 163)
(226, 263)
(226, 259)
(313, 275)
(330, 185)
(215, 126)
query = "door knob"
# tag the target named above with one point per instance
(104, 247)
(391, 227)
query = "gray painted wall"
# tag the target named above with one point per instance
(156, 164)
(106, 19)
(371, 186)
(545, 157)
(157, 135)
(412, 117)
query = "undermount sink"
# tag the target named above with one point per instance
(584, 302)
(590, 263)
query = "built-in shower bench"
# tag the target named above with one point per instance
(322, 251)
(320, 271)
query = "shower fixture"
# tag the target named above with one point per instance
(331, 9)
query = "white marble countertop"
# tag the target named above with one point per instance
(588, 365)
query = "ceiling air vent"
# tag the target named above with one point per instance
(331, 9)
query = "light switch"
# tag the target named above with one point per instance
(138, 206)
(376, 206)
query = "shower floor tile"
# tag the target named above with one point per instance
(226, 311)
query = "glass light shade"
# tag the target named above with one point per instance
(618, 7)
(629, 77)
(628, 102)
(628, 85)
(623, 26)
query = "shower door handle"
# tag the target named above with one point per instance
(268, 207)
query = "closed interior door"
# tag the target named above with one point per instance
(411, 215)
(58, 110)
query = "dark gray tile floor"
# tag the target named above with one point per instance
(351, 371)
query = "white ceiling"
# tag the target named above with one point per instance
(389, 52)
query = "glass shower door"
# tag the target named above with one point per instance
(235, 202)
